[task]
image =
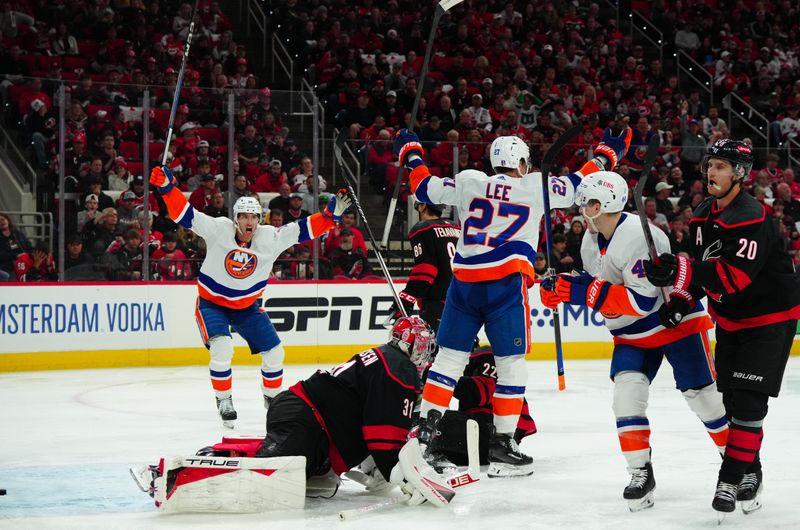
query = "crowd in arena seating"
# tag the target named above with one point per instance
(107, 52)
(528, 68)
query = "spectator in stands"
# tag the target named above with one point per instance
(306, 170)
(295, 209)
(37, 265)
(379, 157)
(94, 173)
(445, 113)
(270, 180)
(359, 116)
(100, 233)
(788, 128)
(217, 208)
(713, 122)
(75, 256)
(349, 222)
(693, 145)
(560, 258)
(119, 176)
(40, 128)
(203, 169)
(94, 186)
(276, 217)
(540, 266)
(201, 197)
(13, 242)
(663, 204)
(574, 238)
(432, 133)
(89, 212)
(347, 261)
(442, 154)
(240, 189)
(169, 261)
(679, 236)
(127, 214)
(250, 146)
(791, 205)
(655, 217)
(307, 190)
(281, 202)
(125, 263)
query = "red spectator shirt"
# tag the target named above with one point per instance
(201, 197)
(332, 241)
(172, 266)
(27, 273)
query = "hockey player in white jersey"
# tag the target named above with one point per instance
(239, 257)
(645, 329)
(492, 272)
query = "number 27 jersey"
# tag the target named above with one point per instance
(500, 219)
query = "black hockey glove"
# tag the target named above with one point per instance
(661, 273)
(673, 311)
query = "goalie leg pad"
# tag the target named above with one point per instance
(413, 471)
(292, 429)
(230, 485)
(631, 392)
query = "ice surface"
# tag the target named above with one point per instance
(68, 438)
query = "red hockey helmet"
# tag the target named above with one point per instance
(414, 337)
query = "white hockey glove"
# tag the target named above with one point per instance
(337, 205)
(418, 480)
(369, 476)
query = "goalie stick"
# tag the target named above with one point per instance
(465, 478)
(547, 163)
(638, 199)
(443, 7)
(337, 151)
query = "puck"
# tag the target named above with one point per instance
(2, 492)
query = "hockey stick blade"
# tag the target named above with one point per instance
(346, 515)
(638, 199)
(447, 5)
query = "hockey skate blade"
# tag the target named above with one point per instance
(637, 505)
(753, 504)
(503, 470)
(230, 424)
(721, 517)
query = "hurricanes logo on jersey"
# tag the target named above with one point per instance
(240, 263)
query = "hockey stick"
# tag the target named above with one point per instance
(443, 7)
(465, 478)
(547, 163)
(179, 86)
(337, 151)
(638, 198)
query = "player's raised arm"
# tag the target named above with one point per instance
(426, 187)
(608, 153)
(178, 207)
(314, 225)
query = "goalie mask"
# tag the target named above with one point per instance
(507, 152)
(414, 337)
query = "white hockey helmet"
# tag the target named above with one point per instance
(507, 151)
(247, 205)
(605, 186)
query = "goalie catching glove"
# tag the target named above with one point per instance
(418, 480)
(337, 205)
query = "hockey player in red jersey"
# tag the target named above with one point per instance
(740, 261)
(337, 419)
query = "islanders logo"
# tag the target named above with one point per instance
(240, 263)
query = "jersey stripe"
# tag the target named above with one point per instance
(220, 290)
(240, 303)
(384, 432)
(659, 335)
(420, 189)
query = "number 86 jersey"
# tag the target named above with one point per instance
(500, 218)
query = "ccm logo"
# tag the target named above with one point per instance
(213, 462)
(747, 377)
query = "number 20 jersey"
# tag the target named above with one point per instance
(500, 218)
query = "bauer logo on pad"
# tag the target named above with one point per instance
(240, 263)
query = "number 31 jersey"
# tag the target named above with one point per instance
(500, 217)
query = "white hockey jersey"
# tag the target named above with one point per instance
(234, 274)
(500, 215)
(619, 261)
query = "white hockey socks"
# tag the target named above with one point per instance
(221, 348)
(707, 404)
(631, 392)
(442, 378)
(512, 374)
(272, 371)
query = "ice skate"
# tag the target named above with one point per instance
(749, 492)
(639, 492)
(425, 431)
(505, 458)
(144, 476)
(267, 402)
(724, 500)
(226, 411)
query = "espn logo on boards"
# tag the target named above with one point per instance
(339, 312)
